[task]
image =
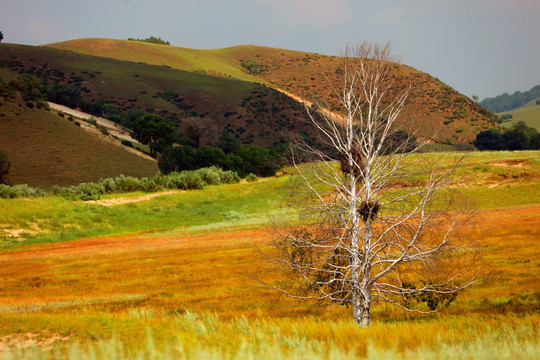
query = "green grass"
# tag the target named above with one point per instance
(53, 219)
(216, 61)
(488, 179)
(529, 113)
(149, 335)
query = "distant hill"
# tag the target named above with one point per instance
(250, 110)
(46, 149)
(435, 107)
(529, 113)
(507, 102)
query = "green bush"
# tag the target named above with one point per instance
(127, 183)
(19, 191)
(109, 185)
(127, 143)
(185, 180)
(191, 180)
(149, 185)
(88, 191)
(251, 177)
(209, 175)
(6, 192)
(228, 177)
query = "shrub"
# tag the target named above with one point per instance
(109, 185)
(127, 143)
(149, 185)
(228, 177)
(88, 191)
(192, 180)
(251, 177)
(127, 183)
(17, 191)
(209, 175)
(6, 192)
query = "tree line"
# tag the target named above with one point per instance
(507, 102)
(519, 137)
(152, 40)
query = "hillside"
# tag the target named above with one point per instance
(435, 107)
(529, 113)
(46, 149)
(252, 112)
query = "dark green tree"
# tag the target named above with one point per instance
(132, 115)
(228, 142)
(31, 87)
(207, 156)
(515, 140)
(534, 142)
(489, 140)
(177, 158)
(1, 36)
(154, 131)
(4, 168)
(257, 160)
(63, 94)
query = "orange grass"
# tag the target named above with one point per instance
(124, 285)
(210, 272)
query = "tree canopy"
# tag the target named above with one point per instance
(507, 102)
(154, 131)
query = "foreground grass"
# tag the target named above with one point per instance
(193, 336)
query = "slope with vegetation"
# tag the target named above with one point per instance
(528, 113)
(122, 91)
(507, 102)
(434, 106)
(45, 148)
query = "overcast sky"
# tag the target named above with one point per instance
(479, 47)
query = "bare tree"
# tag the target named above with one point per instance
(378, 222)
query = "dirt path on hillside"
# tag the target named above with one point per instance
(127, 200)
(112, 128)
(117, 131)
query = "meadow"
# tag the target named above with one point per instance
(529, 113)
(171, 277)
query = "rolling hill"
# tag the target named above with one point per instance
(253, 112)
(207, 78)
(529, 113)
(47, 149)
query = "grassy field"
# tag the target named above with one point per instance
(530, 113)
(170, 278)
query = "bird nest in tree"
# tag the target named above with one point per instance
(368, 210)
(356, 167)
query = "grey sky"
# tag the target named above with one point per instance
(481, 47)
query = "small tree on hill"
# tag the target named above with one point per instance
(1, 36)
(377, 224)
(154, 131)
